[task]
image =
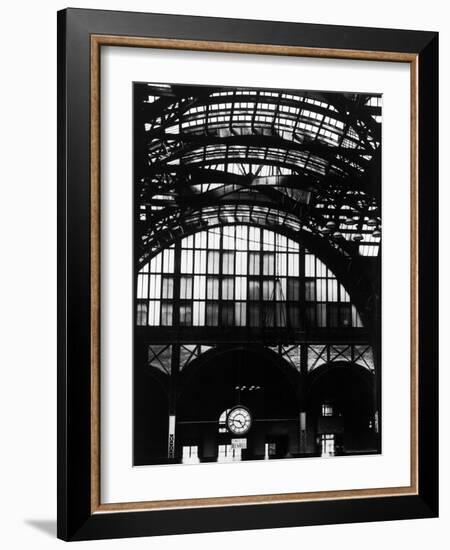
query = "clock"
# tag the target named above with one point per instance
(239, 420)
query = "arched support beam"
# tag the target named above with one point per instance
(261, 352)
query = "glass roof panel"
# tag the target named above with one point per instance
(267, 147)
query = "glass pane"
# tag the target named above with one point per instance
(268, 289)
(186, 288)
(253, 289)
(227, 288)
(167, 287)
(253, 315)
(332, 290)
(200, 261)
(310, 315)
(281, 264)
(199, 286)
(228, 263)
(333, 315)
(294, 316)
(200, 239)
(142, 286)
(199, 314)
(282, 243)
(268, 240)
(321, 315)
(141, 314)
(227, 315)
(188, 242)
(281, 288)
(241, 288)
(280, 314)
(187, 260)
(212, 288)
(214, 238)
(166, 313)
(186, 314)
(153, 313)
(254, 238)
(310, 270)
(293, 292)
(321, 270)
(321, 290)
(310, 291)
(155, 287)
(241, 263)
(241, 237)
(269, 264)
(212, 314)
(213, 262)
(169, 257)
(155, 263)
(240, 310)
(294, 246)
(294, 265)
(269, 314)
(228, 237)
(254, 263)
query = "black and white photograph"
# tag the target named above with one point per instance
(257, 262)
(225, 275)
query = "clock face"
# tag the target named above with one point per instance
(239, 420)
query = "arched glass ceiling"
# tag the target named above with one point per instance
(212, 154)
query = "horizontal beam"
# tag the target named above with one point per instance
(264, 141)
(267, 336)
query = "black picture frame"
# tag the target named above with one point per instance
(77, 516)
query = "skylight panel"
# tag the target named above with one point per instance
(368, 250)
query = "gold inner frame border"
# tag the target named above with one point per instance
(97, 41)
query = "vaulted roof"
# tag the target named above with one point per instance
(298, 161)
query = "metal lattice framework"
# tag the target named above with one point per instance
(303, 162)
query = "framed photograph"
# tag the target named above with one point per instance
(247, 274)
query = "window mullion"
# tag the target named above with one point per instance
(176, 284)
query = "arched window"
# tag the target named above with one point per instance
(223, 422)
(239, 275)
